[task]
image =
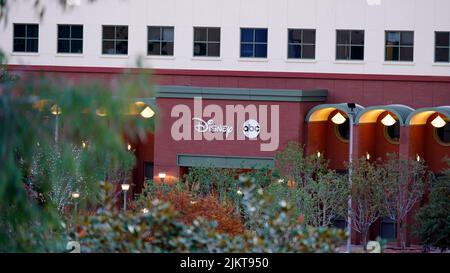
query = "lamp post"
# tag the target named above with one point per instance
(338, 118)
(125, 188)
(75, 197)
(162, 176)
(56, 111)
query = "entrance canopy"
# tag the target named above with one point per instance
(421, 116)
(323, 111)
(371, 114)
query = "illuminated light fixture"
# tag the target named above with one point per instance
(101, 112)
(239, 192)
(162, 176)
(147, 112)
(125, 187)
(84, 144)
(193, 202)
(438, 122)
(280, 180)
(75, 195)
(367, 156)
(129, 147)
(388, 120)
(318, 154)
(418, 157)
(55, 109)
(144, 210)
(338, 118)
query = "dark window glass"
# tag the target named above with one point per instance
(443, 133)
(160, 41)
(115, 40)
(207, 41)
(64, 32)
(399, 46)
(301, 43)
(70, 39)
(344, 129)
(254, 42)
(25, 38)
(247, 35)
(393, 132)
(442, 47)
(349, 44)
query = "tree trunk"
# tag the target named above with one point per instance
(364, 239)
(402, 235)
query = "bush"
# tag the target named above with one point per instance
(433, 220)
(160, 230)
(191, 207)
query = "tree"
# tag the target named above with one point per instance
(403, 181)
(433, 220)
(29, 108)
(319, 193)
(367, 196)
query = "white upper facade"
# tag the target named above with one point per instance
(424, 17)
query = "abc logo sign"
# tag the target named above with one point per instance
(251, 128)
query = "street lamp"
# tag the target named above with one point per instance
(162, 176)
(125, 188)
(338, 118)
(75, 196)
(56, 111)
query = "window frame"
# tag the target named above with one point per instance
(207, 42)
(25, 38)
(301, 44)
(399, 46)
(160, 41)
(70, 39)
(350, 45)
(253, 43)
(115, 40)
(441, 47)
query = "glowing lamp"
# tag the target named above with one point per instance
(75, 195)
(338, 118)
(147, 112)
(388, 120)
(318, 154)
(438, 122)
(56, 110)
(129, 147)
(125, 187)
(367, 156)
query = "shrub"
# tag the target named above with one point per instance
(433, 220)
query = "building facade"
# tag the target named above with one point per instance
(288, 67)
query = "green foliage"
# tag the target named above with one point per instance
(318, 193)
(28, 131)
(403, 184)
(433, 220)
(158, 230)
(367, 196)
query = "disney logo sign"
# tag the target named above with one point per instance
(209, 126)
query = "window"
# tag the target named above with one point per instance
(70, 39)
(160, 41)
(301, 43)
(392, 133)
(443, 134)
(343, 130)
(26, 38)
(350, 45)
(399, 46)
(115, 40)
(207, 41)
(442, 47)
(254, 42)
